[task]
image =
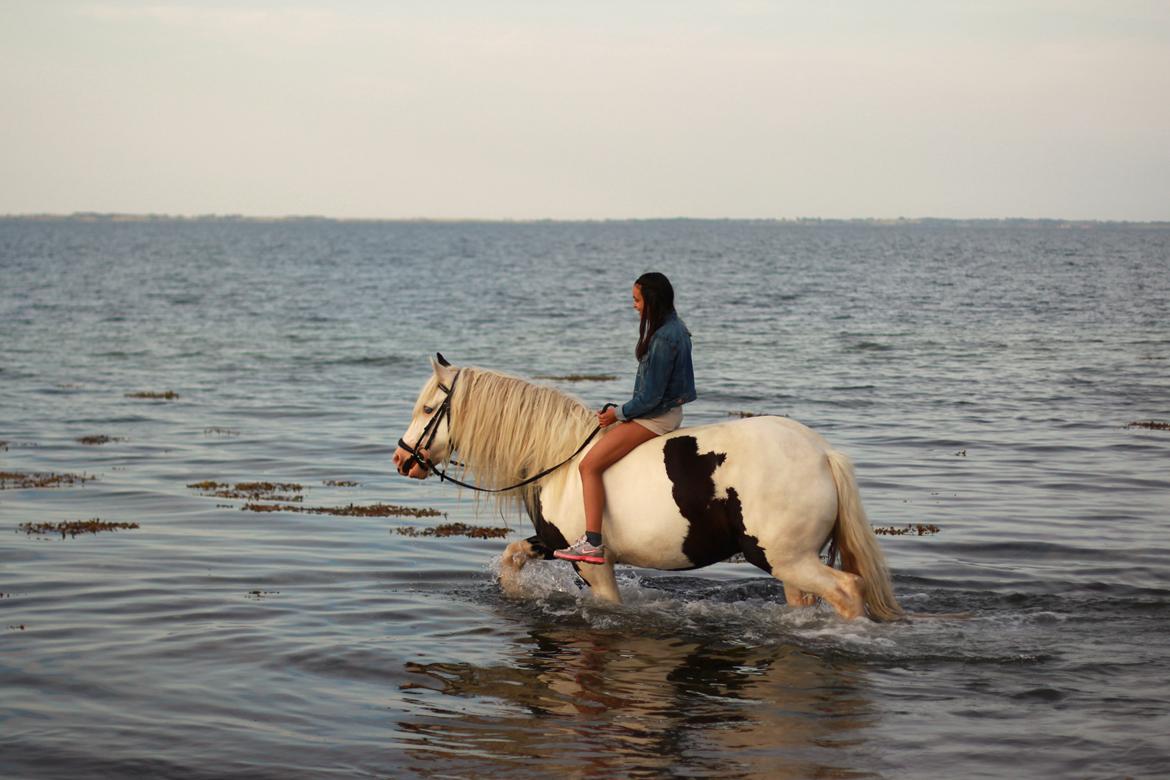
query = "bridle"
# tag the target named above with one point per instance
(432, 428)
(429, 431)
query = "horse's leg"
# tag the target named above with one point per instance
(754, 555)
(809, 575)
(512, 561)
(797, 597)
(599, 577)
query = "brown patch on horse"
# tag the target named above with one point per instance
(716, 530)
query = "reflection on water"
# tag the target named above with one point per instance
(600, 703)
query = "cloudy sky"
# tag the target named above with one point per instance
(535, 108)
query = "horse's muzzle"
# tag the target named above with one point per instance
(408, 466)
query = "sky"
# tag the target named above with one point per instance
(535, 109)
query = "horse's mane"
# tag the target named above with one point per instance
(507, 429)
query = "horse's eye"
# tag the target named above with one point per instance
(428, 409)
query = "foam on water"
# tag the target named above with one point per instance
(752, 612)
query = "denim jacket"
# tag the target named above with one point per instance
(666, 378)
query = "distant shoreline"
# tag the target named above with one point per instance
(1018, 222)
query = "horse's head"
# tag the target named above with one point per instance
(428, 439)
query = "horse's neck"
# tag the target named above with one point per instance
(506, 444)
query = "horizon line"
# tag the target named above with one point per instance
(118, 216)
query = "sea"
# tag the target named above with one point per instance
(1003, 389)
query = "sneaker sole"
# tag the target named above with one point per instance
(579, 558)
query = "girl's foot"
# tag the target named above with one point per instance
(581, 550)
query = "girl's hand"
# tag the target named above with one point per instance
(606, 418)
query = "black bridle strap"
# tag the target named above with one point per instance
(444, 478)
(432, 427)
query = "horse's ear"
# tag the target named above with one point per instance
(443, 369)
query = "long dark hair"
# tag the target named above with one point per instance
(657, 304)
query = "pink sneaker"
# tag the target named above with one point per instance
(582, 551)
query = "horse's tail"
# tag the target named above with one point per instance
(858, 546)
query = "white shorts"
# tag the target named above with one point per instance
(663, 423)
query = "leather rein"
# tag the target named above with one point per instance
(431, 429)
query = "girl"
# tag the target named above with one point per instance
(665, 382)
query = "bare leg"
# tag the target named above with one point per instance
(614, 446)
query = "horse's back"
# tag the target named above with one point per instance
(690, 497)
(783, 431)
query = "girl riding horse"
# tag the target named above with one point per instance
(665, 381)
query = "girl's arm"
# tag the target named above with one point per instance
(659, 363)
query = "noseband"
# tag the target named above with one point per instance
(429, 431)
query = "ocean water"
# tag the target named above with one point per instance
(981, 377)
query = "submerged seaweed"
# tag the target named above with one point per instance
(911, 529)
(74, 527)
(350, 510)
(454, 529)
(99, 439)
(1153, 425)
(744, 414)
(578, 377)
(258, 595)
(15, 480)
(250, 491)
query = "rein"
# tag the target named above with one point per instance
(432, 428)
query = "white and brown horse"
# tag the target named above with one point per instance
(767, 487)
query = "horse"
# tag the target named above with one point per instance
(767, 487)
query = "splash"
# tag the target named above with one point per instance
(752, 612)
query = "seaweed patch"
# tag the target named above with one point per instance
(268, 487)
(74, 527)
(350, 510)
(1153, 425)
(250, 491)
(578, 377)
(208, 484)
(454, 529)
(911, 529)
(100, 439)
(258, 595)
(165, 395)
(339, 483)
(15, 480)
